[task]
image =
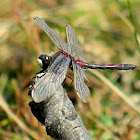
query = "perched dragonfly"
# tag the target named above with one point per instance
(44, 61)
(48, 80)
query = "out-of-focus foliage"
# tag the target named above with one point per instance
(106, 35)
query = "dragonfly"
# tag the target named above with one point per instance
(54, 68)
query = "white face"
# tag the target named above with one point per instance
(39, 62)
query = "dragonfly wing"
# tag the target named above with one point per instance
(80, 86)
(73, 44)
(52, 34)
(47, 85)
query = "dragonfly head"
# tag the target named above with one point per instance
(44, 61)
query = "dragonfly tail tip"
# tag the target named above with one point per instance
(135, 66)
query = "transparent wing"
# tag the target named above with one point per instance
(80, 86)
(73, 45)
(47, 85)
(52, 34)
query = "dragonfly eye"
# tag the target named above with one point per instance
(46, 57)
(44, 61)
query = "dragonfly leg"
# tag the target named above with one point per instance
(70, 78)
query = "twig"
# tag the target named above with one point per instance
(59, 117)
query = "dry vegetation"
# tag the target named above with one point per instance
(106, 33)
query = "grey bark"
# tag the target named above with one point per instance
(60, 118)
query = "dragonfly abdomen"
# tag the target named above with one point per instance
(110, 66)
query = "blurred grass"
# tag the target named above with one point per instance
(106, 34)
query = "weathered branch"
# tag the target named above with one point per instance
(60, 118)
